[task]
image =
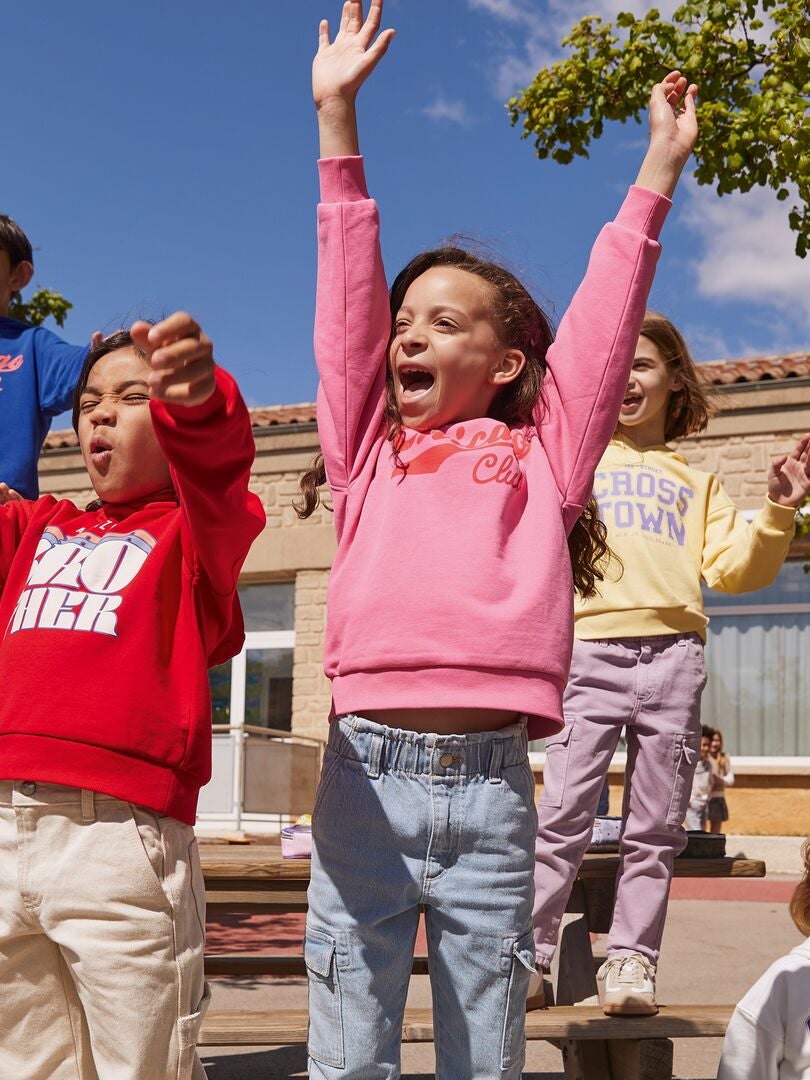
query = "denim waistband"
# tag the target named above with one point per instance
(482, 753)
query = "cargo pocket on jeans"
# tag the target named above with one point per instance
(520, 958)
(685, 753)
(555, 769)
(325, 1036)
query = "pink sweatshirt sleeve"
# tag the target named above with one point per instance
(352, 322)
(590, 360)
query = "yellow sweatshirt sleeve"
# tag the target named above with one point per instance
(740, 556)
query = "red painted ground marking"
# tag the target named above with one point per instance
(284, 933)
(267, 934)
(755, 889)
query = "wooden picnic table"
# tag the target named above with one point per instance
(255, 878)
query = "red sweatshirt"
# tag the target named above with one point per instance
(110, 618)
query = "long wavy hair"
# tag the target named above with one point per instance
(521, 324)
(690, 408)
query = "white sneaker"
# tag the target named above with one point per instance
(627, 986)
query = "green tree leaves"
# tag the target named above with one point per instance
(42, 304)
(754, 94)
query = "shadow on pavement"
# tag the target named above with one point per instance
(288, 1062)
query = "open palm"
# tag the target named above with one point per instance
(342, 66)
(789, 475)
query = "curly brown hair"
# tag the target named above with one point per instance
(690, 408)
(800, 901)
(520, 324)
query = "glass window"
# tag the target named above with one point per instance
(268, 607)
(758, 678)
(268, 688)
(219, 680)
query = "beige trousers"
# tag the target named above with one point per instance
(102, 913)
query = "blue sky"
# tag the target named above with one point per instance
(162, 156)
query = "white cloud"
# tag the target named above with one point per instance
(539, 29)
(455, 112)
(747, 250)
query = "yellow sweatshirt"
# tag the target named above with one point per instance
(672, 525)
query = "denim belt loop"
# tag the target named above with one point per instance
(375, 756)
(495, 762)
(88, 805)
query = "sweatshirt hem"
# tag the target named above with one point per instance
(640, 622)
(51, 760)
(539, 696)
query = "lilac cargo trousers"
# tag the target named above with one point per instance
(653, 686)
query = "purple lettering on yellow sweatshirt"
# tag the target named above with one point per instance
(452, 587)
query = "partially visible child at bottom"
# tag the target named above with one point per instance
(459, 446)
(722, 778)
(696, 811)
(638, 656)
(111, 616)
(769, 1034)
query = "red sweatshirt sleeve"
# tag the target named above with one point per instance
(14, 517)
(352, 321)
(210, 449)
(590, 360)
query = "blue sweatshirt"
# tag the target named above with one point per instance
(38, 372)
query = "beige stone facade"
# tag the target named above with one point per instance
(757, 421)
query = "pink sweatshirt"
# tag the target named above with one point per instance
(452, 583)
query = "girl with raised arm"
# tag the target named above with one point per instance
(459, 444)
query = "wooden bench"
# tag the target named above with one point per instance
(559, 1022)
(607, 1048)
(593, 1046)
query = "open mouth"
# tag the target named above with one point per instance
(414, 382)
(100, 453)
(631, 400)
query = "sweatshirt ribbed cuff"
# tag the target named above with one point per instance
(775, 516)
(644, 211)
(343, 179)
(194, 414)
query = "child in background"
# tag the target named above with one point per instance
(722, 778)
(110, 618)
(696, 811)
(769, 1034)
(38, 373)
(638, 655)
(459, 446)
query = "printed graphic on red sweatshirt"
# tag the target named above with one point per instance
(494, 454)
(75, 582)
(643, 500)
(9, 363)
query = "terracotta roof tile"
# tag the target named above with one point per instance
(755, 369)
(717, 372)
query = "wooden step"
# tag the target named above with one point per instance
(280, 964)
(579, 1022)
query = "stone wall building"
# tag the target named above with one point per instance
(756, 647)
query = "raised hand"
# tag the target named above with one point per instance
(789, 475)
(673, 131)
(672, 113)
(181, 357)
(342, 66)
(339, 70)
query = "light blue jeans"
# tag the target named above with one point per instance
(403, 819)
